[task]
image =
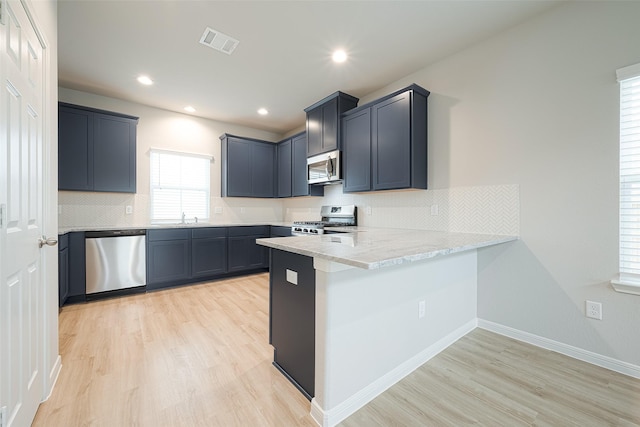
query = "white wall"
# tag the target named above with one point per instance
(537, 106)
(171, 131)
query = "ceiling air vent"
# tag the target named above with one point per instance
(218, 41)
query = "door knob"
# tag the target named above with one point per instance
(44, 241)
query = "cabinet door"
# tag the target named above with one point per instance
(238, 168)
(330, 122)
(63, 269)
(77, 267)
(356, 150)
(292, 317)
(75, 149)
(391, 143)
(263, 171)
(314, 131)
(208, 257)
(258, 254)
(115, 153)
(237, 250)
(299, 185)
(284, 168)
(167, 261)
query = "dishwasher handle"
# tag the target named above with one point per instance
(115, 233)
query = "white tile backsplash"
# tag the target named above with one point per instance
(483, 209)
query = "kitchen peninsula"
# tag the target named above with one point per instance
(386, 301)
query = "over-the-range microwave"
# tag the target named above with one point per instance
(324, 168)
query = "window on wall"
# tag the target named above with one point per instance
(179, 185)
(629, 278)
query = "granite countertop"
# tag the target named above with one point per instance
(63, 230)
(372, 248)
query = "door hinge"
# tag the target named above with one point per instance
(2, 209)
(3, 415)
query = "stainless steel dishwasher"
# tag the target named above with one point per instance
(116, 259)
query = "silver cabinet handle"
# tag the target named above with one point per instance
(44, 241)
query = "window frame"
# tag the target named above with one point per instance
(628, 278)
(180, 188)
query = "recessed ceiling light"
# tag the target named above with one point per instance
(339, 56)
(263, 111)
(189, 109)
(145, 80)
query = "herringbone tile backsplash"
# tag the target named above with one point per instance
(483, 209)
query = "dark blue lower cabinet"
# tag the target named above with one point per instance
(280, 231)
(208, 252)
(178, 256)
(168, 262)
(292, 318)
(63, 269)
(243, 252)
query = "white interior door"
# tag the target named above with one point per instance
(21, 201)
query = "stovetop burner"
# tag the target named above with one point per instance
(332, 216)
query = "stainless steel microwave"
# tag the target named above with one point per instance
(324, 168)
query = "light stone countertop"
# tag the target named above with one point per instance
(372, 248)
(63, 230)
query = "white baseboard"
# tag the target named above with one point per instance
(53, 377)
(568, 350)
(329, 418)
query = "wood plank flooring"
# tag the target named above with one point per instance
(199, 356)
(490, 380)
(191, 356)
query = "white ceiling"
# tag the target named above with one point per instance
(283, 60)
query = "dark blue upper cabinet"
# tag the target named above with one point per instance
(96, 150)
(385, 142)
(391, 143)
(247, 167)
(263, 159)
(284, 168)
(75, 149)
(115, 148)
(323, 122)
(356, 151)
(292, 169)
(300, 183)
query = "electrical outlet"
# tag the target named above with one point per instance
(243, 210)
(422, 308)
(434, 210)
(593, 310)
(368, 210)
(128, 209)
(217, 210)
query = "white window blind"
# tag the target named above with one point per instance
(629, 79)
(179, 184)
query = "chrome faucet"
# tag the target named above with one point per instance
(183, 218)
(196, 218)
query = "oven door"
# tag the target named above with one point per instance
(324, 168)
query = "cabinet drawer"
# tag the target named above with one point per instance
(204, 233)
(260, 230)
(168, 234)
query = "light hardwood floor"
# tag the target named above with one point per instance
(490, 380)
(199, 356)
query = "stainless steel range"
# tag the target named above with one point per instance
(332, 216)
